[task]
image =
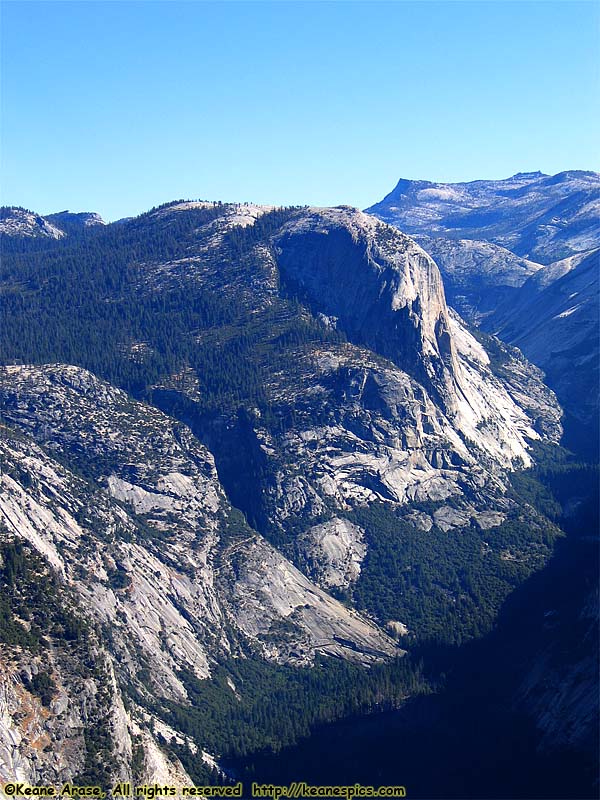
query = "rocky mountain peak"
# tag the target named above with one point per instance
(19, 222)
(528, 175)
(383, 287)
(72, 221)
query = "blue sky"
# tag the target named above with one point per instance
(118, 106)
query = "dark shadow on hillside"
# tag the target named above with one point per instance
(478, 737)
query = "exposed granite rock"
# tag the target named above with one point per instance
(126, 504)
(167, 597)
(335, 551)
(304, 619)
(70, 221)
(20, 223)
(560, 689)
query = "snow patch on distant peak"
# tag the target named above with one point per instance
(568, 312)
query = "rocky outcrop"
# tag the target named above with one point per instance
(486, 237)
(560, 690)
(140, 536)
(335, 551)
(302, 617)
(393, 301)
(62, 709)
(16, 223)
(73, 222)
(419, 416)
(384, 290)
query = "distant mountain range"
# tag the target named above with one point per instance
(539, 217)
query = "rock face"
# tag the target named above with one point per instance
(45, 734)
(554, 320)
(388, 439)
(489, 237)
(392, 297)
(62, 711)
(561, 688)
(406, 409)
(556, 310)
(538, 217)
(520, 258)
(159, 472)
(21, 224)
(392, 301)
(426, 421)
(335, 550)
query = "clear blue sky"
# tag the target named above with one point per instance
(118, 106)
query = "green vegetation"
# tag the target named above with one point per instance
(29, 604)
(446, 586)
(270, 706)
(98, 299)
(41, 685)
(563, 488)
(99, 758)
